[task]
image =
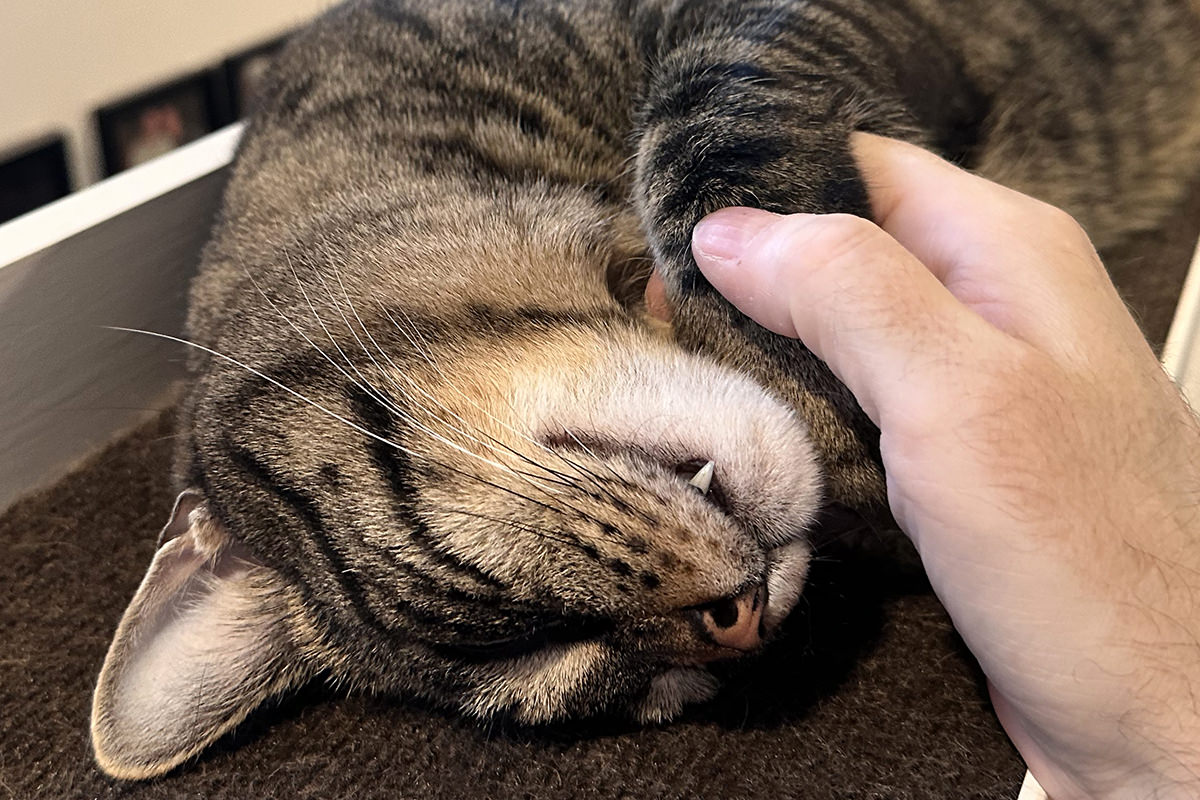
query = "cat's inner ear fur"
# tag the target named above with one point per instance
(202, 643)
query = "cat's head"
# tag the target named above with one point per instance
(557, 516)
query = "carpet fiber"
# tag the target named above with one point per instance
(869, 695)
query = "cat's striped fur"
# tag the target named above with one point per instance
(443, 452)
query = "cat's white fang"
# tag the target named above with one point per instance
(702, 480)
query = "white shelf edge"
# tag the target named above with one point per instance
(37, 230)
(1185, 329)
(1031, 789)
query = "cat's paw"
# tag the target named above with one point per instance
(672, 690)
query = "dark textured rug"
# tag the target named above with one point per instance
(869, 695)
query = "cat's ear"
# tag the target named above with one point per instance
(203, 642)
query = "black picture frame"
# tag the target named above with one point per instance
(32, 175)
(157, 120)
(244, 74)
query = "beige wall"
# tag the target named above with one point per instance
(60, 59)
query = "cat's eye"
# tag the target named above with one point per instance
(556, 632)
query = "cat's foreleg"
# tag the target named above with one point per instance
(754, 105)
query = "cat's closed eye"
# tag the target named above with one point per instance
(541, 635)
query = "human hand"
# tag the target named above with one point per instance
(1045, 467)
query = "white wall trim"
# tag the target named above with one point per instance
(1181, 354)
(85, 209)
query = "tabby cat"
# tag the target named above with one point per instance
(436, 447)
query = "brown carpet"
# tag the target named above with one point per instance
(869, 695)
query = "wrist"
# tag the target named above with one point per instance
(1113, 759)
(1122, 720)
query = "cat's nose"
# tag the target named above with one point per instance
(736, 622)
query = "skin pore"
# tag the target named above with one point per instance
(1044, 465)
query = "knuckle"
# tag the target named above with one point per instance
(1061, 220)
(839, 237)
(1059, 226)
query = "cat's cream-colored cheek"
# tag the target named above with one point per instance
(536, 687)
(458, 397)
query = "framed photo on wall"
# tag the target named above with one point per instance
(32, 175)
(153, 122)
(245, 73)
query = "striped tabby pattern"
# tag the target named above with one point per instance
(434, 446)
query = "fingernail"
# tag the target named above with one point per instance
(723, 235)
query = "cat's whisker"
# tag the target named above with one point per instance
(374, 391)
(526, 476)
(564, 477)
(323, 409)
(588, 450)
(365, 384)
(318, 405)
(424, 351)
(519, 526)
(586, 473)
(555, 481)
(594, 479)
(394, 368)
(270, 380)
(361, 381)
(509, 490)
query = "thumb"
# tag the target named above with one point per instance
(861, 302)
